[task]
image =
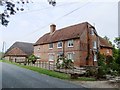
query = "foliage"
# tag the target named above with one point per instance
(117, 40)
(42, 71)
(32, 58)
(91, 71)
(11, 8)
(66, 63)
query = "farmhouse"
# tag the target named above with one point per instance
(19, 52)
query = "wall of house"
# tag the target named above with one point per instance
(43, 51)
(15, 59)
(106, 51)
(80, 49)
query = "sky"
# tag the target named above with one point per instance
(35, 20)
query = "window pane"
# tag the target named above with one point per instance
(70, 56)
(94, 45)
(51, 57)
(59, 44)
(70, 43)
(51, 45)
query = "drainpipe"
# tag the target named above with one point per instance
(88, 46)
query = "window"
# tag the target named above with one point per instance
(70, 56)
(70, 43)
(94, 45)
(95, 57)
(51, 46)
(60, 56)
(92, 31)
(38, 49)
(51, 57)
(108, 51)
(59, 45)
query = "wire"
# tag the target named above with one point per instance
(47, 8)
(57, 19)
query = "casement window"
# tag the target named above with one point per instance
(94, 45)
(51, 46)
(95, 57)
(70, 43)
(59, 45)
(92, 31)
(70, 56)
(51, 57)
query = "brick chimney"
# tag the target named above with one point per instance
(52, 28)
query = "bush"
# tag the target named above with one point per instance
(91, 71)
(66, 63)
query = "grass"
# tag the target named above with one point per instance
(50, 73)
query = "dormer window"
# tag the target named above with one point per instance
(70, 43)
(51, 46)
(59, 45)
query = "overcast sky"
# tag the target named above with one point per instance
(31, 24)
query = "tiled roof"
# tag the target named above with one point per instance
(104, 43)
(24, 48)
(70, 32)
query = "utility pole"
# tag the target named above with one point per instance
(3, 49)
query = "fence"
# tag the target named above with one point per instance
(52, 66)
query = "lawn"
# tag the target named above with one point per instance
(50, 73)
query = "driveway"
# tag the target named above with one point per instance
(17, 77)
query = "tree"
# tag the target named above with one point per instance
(11, 9)
(117, 41)
(106, 38)
(32, 58)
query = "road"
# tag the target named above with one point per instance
(17, 77)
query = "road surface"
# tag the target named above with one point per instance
(17, 77)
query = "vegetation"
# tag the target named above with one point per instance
(66, 63)
(107, 64)
(50, 73)
(32, 58)
(10, 8)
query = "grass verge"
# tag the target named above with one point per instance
(50, 73)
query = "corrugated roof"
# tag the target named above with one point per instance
(69, 32)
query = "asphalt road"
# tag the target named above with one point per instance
(17, 77)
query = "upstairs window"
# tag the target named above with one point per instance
(94, 45)
(51, 46)
(92, 31)
(59, 45)
(70, 43)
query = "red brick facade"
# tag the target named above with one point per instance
(82, 50)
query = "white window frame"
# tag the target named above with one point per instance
(95, 57)
(51, 59)
(52, 45)
(70, 56)
(70, 43)
(58, 44)
(95, 45)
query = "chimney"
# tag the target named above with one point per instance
(52, 28)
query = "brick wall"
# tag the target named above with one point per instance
(106, 51)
